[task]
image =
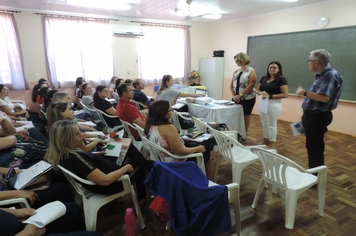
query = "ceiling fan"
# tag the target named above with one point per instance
(189, 16)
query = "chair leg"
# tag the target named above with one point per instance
(137, 208)
(274, 189)
(236, 172)
(218, 159)
(235, 198)
(322, 192)
(291, 206)
(258, 193)
(90, 215)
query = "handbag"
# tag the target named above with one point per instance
(30, 151)
(43, 182)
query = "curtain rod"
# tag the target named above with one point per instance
(79, 17)
(161, 24)
(9, 12)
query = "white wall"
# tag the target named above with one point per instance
(232, 37)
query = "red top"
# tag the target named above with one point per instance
(127, 111)
(39, 99)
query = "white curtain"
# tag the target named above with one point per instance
(164, 50)
(78, 48)
(11, 69)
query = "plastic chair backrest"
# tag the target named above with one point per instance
(226, 144)
(275, 166)
(202, 126)
(127, 129)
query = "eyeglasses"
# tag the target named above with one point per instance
(273, 67)
(170, 110)
(308, 61)
(237, 61)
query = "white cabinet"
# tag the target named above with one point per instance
(212, 75)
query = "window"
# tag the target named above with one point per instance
(163, 51)
(78, 48)
(11, 71)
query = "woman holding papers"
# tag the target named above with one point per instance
(162, 132)
(242, 84)
(103, 172)
(14, 111)
(273, 87)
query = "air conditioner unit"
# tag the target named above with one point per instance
(128, 30)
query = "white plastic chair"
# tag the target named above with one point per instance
(44, 114)
(294, 179)
(145, 147)
(92, 202)
(90, 112)
(101, 114)
(156, 154)
(22, 201)
(177, 123)
(234, 152)
(137, 144)
(115, 96)
(204, 127)
(139, 105)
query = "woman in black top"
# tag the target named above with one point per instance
(100, 102)
(103, 172)
(273, 87)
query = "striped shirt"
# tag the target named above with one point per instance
(328, 82)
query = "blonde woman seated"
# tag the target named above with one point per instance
(62, 111)
(103, 172)
(162, 132)
(166, 92)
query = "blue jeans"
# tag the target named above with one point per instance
(37, 135)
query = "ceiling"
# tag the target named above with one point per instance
(163, 10)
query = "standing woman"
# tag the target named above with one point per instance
(242, 86)
(274, 87)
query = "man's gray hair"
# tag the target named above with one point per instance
(59, 95)
(322, 56)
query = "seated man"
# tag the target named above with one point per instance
(139, 96)
(127, 110)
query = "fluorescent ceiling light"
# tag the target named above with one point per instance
(212, 16)
(290, 0)
(108, 4)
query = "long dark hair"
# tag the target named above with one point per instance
(36, 88)
(117, 83)
(278, 75)
(47, 99)
(157, 112)
(43, 91)
(164, 85)
(100, 88)
(78, 82)
(83, 88)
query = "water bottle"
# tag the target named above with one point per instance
(130, 220)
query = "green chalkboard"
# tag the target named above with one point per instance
(292, 50)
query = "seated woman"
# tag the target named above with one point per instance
(77, 92)
(62, 111)
(35, 91)
(9, 108)
(166, 92)
(118, 82)
(103, 172)
(161, 131)
(48, 99)
(43, 93)
(87, 99)
(104, 105)
(111, 85)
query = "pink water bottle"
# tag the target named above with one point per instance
(130, 220)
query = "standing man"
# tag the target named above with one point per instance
(319, 101)
(127, 110)
(139, 96)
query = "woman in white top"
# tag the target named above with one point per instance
(242, 86)
(14, 111)
(166, 92)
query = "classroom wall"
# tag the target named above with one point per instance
(232, 37)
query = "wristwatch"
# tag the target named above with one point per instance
(241, 94)
(305, 93)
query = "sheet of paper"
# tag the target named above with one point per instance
(87, 123)
(199, 139)
(263, 105)
(78, 112)
(30, 174)
(115, 152)
(95, 133)
(178, 105)
(27, 125)
(46, 214)
(297, 128)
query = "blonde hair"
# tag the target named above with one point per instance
(54, 113)
(61, 135)
(243, 58)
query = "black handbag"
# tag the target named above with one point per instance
(30, 151)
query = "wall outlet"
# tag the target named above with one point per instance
(128, 72)
(37, 76)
